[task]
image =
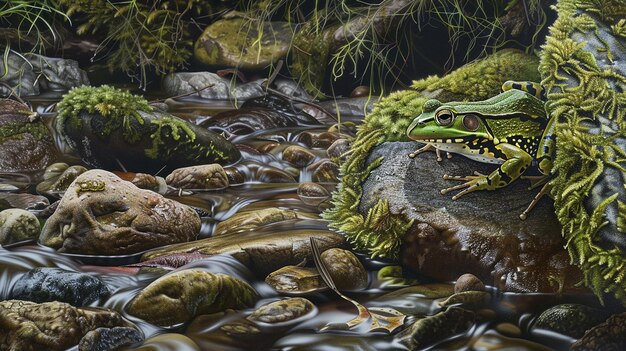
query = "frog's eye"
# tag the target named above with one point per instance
(444, 117)
(471, 122)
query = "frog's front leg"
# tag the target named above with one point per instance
(427, 147)
(517, 161)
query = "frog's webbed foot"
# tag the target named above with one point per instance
(472, 183)
(428, 147)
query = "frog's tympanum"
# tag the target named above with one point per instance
(510, 129)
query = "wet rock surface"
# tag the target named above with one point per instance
(23, 201)
(57, 177)
(607, 336)
(207, 177)
(479, 233)
(262, 252)
(294, 280)
(345, 269)
(106, 339)
(425, 331)
(282, 311)
(249, 220)
(17, 225)
(570, 319)
(26, 144)
(101, 214)
(181, 296)
(51, 326)
(56, 284)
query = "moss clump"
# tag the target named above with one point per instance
(380, 232)
(117, 105)
(587, 99)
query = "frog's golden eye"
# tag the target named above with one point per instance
(444, 117)
(471, 122)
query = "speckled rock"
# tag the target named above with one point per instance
(101, 214)
(427, 330)
(338, 148)
(480, 233)
(282, 311)
(345, 269)
(607, 336)
(183, 295)
(17, 225)
(570, 319)
(26, 144)
(210, 176)
(106, 339)
(233, 42)
(28, 326)
(295, 280)
(220, 88)
(56, 284)
(24, 201)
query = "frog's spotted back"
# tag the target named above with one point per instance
(532, 88)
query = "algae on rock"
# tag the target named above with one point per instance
(585, 83)
(389, 121)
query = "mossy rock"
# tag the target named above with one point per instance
(585, 77)
(109, 127)
(237, 42)
(379, 231)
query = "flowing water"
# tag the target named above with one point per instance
(265, 184)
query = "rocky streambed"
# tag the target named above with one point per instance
(234, 255)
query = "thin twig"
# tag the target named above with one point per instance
(184, 95)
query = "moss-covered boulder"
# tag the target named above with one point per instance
(181, 296)
(242, 43)
(26, 145)
(382, 235)
(111, 128)
(584, 73)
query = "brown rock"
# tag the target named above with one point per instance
(57, 177)
(345, 269)
(295, 280)
(248, 220)
(101, 214)
(181, 296)
(312, 193)
(338, 148)
(282, 311)
(298, 156)
(28, 326)
(324, 171)
(468, 282)
(210, 176)
(25, 145)
(262, 252)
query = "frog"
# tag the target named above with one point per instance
(511, 130)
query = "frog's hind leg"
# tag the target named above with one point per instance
(544, 190)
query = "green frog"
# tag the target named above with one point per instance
(511, 130)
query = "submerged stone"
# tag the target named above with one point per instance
(54, 326)
(428, 330)
(101, 214)
(295, 280)
(210, 176)
(570, 319)
(111, 129)
(57, 177)
(106, 339)
(262, 252)
(345, 269)
(282, 311)
(181, 296)
(56, 284)
(249, 220)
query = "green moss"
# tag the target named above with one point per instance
(579, 91)
(117, 105)
(381, 232)
(170, 128)
(37, 130)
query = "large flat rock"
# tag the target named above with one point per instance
(480, 233)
